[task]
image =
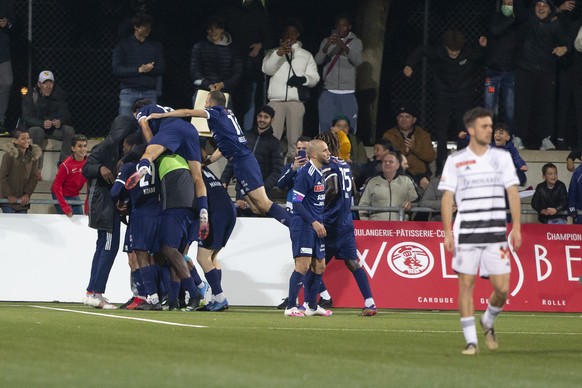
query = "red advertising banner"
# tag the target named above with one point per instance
(409, 268)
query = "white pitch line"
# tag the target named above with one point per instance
(391, 330)
(121, 317)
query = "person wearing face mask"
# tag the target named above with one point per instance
(454, 66)
(503, 40)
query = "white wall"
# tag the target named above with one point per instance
(48, 258)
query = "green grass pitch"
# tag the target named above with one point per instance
(70, 345)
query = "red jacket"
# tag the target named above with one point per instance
(69, 182)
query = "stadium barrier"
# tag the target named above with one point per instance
(48, 258)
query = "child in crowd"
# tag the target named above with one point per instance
(19, 173)
(550, 197)
(69, 179)
(502, 139)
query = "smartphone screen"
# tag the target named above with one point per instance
(302, 154)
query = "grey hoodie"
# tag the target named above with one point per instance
(343, 75)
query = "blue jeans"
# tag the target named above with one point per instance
(559, 221)
(77, 209)
(128, 96)
(500, 83)
(7, 209)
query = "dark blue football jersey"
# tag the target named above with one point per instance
(156, 124)
(226, 131)
(337, 212)
(144, 198)
(309, 188)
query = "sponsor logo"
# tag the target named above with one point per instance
(318, 188)
(308, 251)
(465, 163)
(410, 260)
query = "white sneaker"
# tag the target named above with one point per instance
(100, 302)
(518, 143)
(547, 145)
(294, 312)
(318, 311)
(86, 299)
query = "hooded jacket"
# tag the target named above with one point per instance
(502, 42)
(342, 75)
(544, 197)
(19, 172)
(216, 62)
(539, 38)
(107, 153)
(277, 67)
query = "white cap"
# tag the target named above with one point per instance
(46, 75)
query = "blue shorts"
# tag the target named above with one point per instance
(247, 172)
(127, 241)
(145, 234)
(221, 225)
(305, 242)
(341, 246)
(175, 227)
(179, 137)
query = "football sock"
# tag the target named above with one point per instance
(490, 314)
(363, 283)
(164, 279)
(212, 279)
(144, 166)
(324, 295)
(174, 290)
(312, 291)
(307, 283)
(148, 279)
(219, 271)
(141, 291)
(323, 289)
(280, 214)
(195, 276)
(369, 302)
(295, 283)
(469, 330)
(220, 297)
(189, 286)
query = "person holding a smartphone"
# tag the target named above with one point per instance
(340, 54)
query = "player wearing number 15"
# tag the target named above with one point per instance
(340, 241)
(231, 143)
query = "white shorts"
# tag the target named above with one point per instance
(491, 259)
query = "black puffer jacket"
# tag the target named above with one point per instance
(267, 150)
(539, 38)
(502, 42)
(107, 153)
(213, 63)
(36, 108)
(545, 197)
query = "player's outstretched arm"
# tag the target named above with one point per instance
(145, 130)
(213, 158)
(179, 113)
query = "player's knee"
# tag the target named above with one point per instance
(352, 265)
(318, 266)
(301, 266)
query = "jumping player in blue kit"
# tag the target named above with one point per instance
(176, 136)
(340, 241)
(144, 225)
(307, 232)
(231, 143)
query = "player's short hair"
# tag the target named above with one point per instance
(133, 139)
(303, 139)
(217, 97)
(476, 113)
(331, 140)
(77, 138)
(547, 166)
(141, 19)
(268, 110)
(501, 127)
(138, 104)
